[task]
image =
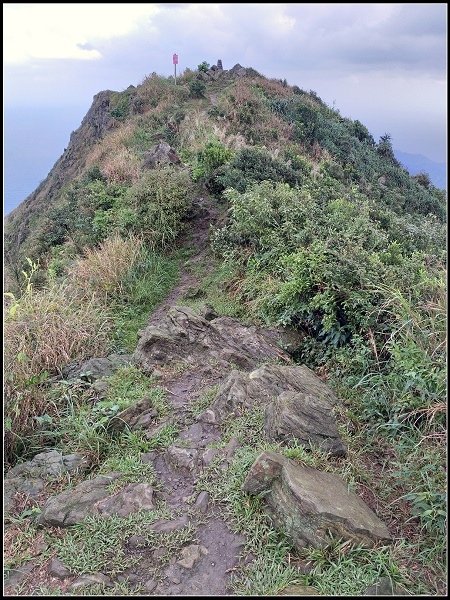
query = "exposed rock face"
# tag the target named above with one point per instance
(137, 416)
(74, 505)
(161, 154)
(93, 497)
(308, 504)
(186, 458)
(306, 418)
(13, 485)
(184, 336)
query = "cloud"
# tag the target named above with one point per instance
(67, 31)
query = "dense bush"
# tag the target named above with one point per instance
(250, 165)
(323, 257)
(197, 88)
(212, 156)
(154, 207)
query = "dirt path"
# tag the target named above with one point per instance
(220, 549)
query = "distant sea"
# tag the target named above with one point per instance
(35, 138)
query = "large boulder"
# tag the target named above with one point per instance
(161, 154)
(185, 336)
(309, 505)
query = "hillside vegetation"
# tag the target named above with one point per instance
(318, 229)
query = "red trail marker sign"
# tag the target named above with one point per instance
(175, 62)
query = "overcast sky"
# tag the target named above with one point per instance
(384, 64)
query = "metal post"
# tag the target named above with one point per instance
(175, 73)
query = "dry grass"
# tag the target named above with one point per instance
(116, 141)
(122, 167)
(44, 331)
(50, 328)
(101, 270)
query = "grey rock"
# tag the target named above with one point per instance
(242, 391)
(308, 504)
(133, 498)
(208, 416)
(12, 485)
(93, 579)
(161, 154)
(201, 504)
(208, 456)
(182, 457)
(138, 416)
(101, 388)
(231, 448)
(187, 337)
(96, 368)
(165, 526)
(150, 585)
(385, 587)
(304, 417)
(17, 576)
(58, 569)
(207, 312)
(193, 434)
(48, 464)
(73, 505)
(191, 554)
(148, 457)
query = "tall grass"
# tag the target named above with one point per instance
(102, 270)
(45, 330)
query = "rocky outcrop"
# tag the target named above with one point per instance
(306, 418)
(297, 404)
(309, 505)
(187, 337)
(94, 497)
(161, 154)
(133, 498)
(138, 416)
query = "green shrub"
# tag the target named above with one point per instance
(197, 88)
(203, 67)
(250, 165)
(213, 155)
(154, 207)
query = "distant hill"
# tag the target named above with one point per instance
(416, 163)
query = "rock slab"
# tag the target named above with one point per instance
(308, 504)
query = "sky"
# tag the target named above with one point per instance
(384, 64)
